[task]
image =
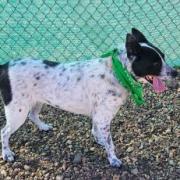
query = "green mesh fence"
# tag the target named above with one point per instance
(83, 29)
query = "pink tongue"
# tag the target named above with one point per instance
(158, 85)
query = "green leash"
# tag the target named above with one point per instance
(125, 78)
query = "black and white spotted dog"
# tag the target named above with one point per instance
(82, 87)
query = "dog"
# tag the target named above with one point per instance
(82, 87)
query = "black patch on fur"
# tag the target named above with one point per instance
(23, 63)
(5, 86)
(20, 110)
(50, 63)
(148, 62)
(157, 49)
(78, 79)
(110, 92)
(35, 84)
(113, 93)
(63, 69)
(37, 75)
(102, 76)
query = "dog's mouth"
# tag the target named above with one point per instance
(158, 85)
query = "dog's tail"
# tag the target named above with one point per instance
(3, 70)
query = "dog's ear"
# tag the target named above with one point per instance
(132, 46)
(139, 36)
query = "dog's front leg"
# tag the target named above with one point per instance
(102, 135)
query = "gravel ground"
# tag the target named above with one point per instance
(147, 140)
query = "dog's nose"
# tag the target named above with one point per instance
(174, 73)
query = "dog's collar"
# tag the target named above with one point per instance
(124, 77)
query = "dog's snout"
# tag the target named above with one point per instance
(174, 73)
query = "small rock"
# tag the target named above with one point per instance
(56, 164)
(76, 170)
(64, 166)
(130, 149)
(77, 158)
(168, 131)
(142, 178)
(141, 146)
(26, 167)
(16, 165)
(70, 146)
(116, 177)
(59, 177)
(2, 162)
(69, 142)
(92, 149)
(178, 163)
(47, 175)
(134, 171)
(178, 171)
(4, 173)
(22, 150)
(172, 153)
(124, 175)
(26, 173)
(171, 162)
(16, 171)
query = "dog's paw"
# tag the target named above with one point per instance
(45, 127)
(115, 162)
(8, 155)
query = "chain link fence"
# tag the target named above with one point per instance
(83, 29)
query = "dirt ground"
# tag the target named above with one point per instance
(147, 140)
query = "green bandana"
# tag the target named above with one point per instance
(125, 78)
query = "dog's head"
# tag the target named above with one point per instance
(147, 61)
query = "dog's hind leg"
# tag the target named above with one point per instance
(34, 117)
(15, 117)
